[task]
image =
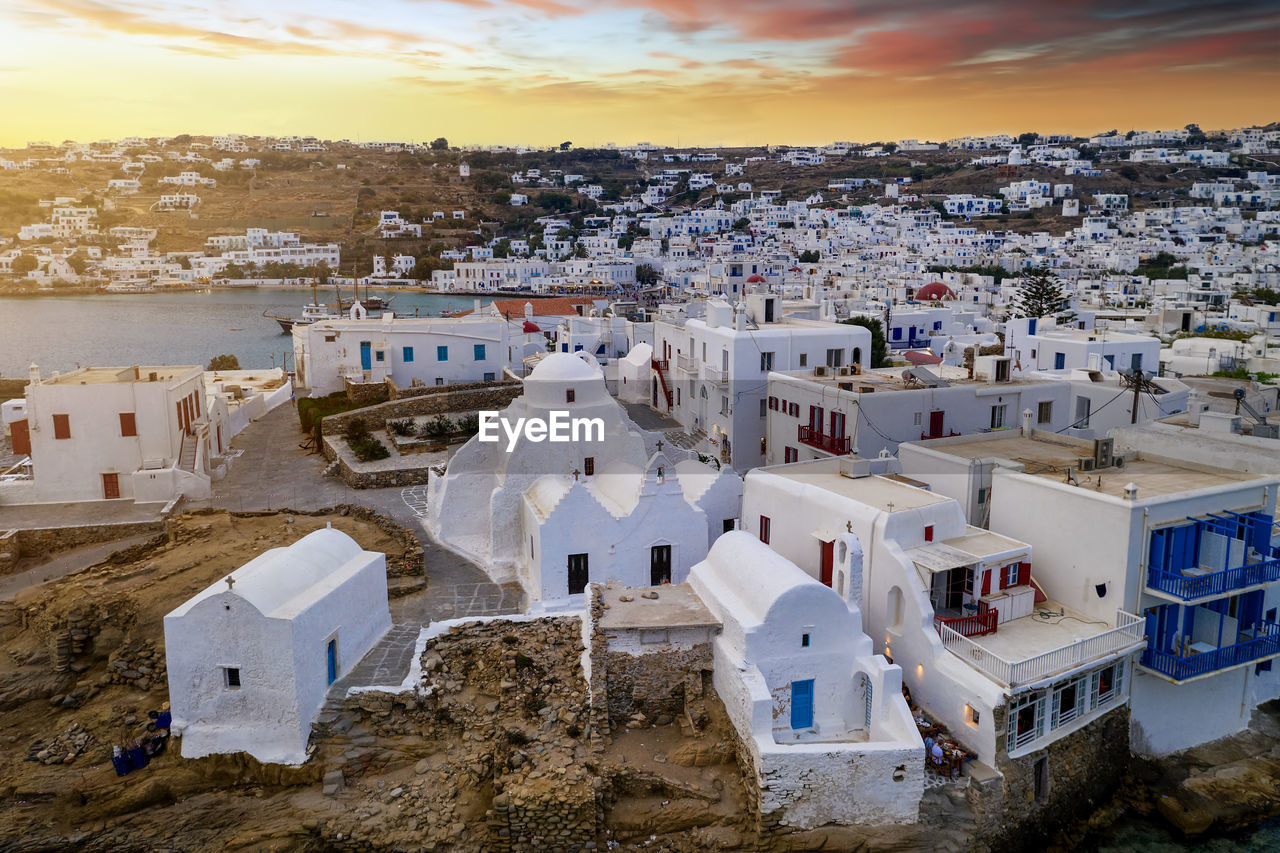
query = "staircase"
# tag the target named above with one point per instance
(660, 366)
(187, 456)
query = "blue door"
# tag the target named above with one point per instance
(366, 355)
(802, 704)
(332, 654)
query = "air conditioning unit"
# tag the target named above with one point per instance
(1103, 452)
(847, 370)
(820, 370)
(1085, 463)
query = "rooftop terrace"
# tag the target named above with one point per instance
(889, 493)
(1050, 457)
(109, 375)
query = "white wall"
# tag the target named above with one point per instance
(282, 660)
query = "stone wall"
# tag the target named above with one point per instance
(375, 477)
(398, 393)
(9, 550)
(435, 400)
(1082, 772)
(366, 393)
(655, 684)
(39, 541)
(510, 700)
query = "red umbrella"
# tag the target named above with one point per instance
(916, 356)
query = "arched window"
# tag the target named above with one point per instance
(895, 609)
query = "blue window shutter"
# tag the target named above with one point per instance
(1156, 559)
(407, 356)
(442, 353)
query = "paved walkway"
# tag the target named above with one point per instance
(64, 564)
(646, 417)
(27, 516)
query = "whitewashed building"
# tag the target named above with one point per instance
(250, 658)
(427, 350)
(710, 374)
(610, 505)
(104, 433)
(829, 735)
(1189, 548)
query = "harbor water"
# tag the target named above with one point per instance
(174, 327)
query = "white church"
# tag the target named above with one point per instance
(823, 717)
(555, 516)
(251, 657)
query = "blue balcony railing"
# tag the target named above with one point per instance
(1192, 586)
(1265, 642)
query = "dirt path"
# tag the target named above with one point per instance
(64, 564)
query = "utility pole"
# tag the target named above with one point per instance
(1137, 386)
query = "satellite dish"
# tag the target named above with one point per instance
(1238, 393)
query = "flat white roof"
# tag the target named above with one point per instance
(886, 493)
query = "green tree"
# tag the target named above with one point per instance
(426, 265)
(226, 361)
(646, 275)
(566, 145)
(879, 346)
(809, 256)
(440, 144)
(24, 264)
(1040, 294)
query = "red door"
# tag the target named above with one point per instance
(21, 435)
(936, 423)
(828, 560)
(110, 486)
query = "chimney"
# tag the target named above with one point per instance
(33, 373)
(1131, 492)
(1028, 419)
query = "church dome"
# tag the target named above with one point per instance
(563, 367)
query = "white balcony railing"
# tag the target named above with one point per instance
(1128, 631)
(686, 363)
(715, 374)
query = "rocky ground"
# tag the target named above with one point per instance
(84, 664)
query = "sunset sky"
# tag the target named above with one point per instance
(706, 72)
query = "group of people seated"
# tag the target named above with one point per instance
(142, 749)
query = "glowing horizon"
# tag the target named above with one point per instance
(698, 72)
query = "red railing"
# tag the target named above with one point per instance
(829, 443)
(924, 436)
(976, 625)
(660, 365)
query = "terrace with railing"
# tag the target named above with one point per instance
(1194, 659)
(715, 374)
(976, 625)
(1215, 555)
(1044, 644)
(1196, 582)
(815, 438)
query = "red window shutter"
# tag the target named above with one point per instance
(62, 426)
(928, 533)
(986, 582)
(764, 529)
(1024, 574)
(128, 424)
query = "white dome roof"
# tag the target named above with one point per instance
(561, 367)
